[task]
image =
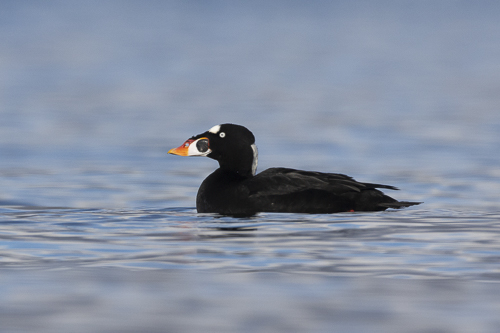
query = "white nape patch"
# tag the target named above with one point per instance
(255, 159)
(193, 150)
(215, 129)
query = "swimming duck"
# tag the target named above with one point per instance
(235, 188)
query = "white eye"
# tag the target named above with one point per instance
(222, 134)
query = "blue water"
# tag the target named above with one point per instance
(98, 230)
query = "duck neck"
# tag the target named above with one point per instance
(245, 165)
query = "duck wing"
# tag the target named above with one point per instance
(290, 190)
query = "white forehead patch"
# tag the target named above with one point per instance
(215, 129)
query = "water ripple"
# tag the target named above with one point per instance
(416, 244)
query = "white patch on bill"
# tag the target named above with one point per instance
(193, 150)
(215, 129)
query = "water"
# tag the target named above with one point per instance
(98, 231)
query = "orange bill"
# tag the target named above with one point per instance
(183, 149)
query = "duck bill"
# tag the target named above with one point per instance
(192, 147)
(182, 150)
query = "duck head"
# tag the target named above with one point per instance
(233, 146)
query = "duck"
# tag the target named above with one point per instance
(236, 189)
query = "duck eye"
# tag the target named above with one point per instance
(202, 145)
(222, 134)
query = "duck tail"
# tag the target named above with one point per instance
(399, 204)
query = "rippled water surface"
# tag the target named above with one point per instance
(413, 244)
(126, 270)
(98, 230)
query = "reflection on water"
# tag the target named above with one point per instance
(152, 269)
(412, 244)
(94, 94)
